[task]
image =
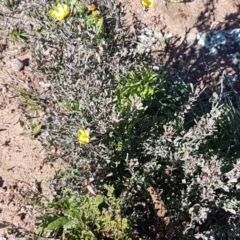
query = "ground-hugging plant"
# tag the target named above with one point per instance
(86, 216)
(120, 119)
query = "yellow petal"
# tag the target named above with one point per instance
(55, 14)
(84, 132)
(95, 13)
(147, 3)
(81, 131)
(61, 11)
(60, 8)
(65, 9)
(91, 7)
(84, 141)
(83, 136)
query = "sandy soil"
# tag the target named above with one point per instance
(21, 157)
(184, 21)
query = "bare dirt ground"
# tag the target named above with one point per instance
(184, 20)
(21, 166)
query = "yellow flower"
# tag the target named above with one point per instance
(61, 11)
(95, 13)
(84, 136)
(147, 3)
(91, 7)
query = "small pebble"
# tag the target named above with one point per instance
(4, 90)
(17, 65)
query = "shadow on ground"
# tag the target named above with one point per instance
(196, 64)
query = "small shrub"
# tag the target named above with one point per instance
(84, 217)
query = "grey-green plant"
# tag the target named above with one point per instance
(147, 129)
(10, 4)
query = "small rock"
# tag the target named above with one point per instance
(4, 90)
(17, 65)
(29, 206)
(3, 238)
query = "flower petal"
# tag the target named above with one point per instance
(55, 14)
(81, 131)
(65, 9)
(61, 11)
(84, 140)
(147, 3)
(95, 13)
(83, 136)
(91, 7)
(60, 8)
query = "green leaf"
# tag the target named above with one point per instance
(76, 106)
(37, 129)
(118, 93)
(70, 225)
(88, 235)
(98, 200)
(99, 25)
(72, 2)
(57, 223)
(4, 225)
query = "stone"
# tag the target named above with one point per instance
(17, 65)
